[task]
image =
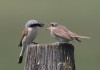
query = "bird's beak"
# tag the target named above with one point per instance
(41, 25)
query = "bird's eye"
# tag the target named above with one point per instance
(52, 25)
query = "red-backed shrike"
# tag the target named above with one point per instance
(62, 34)
(28, 35)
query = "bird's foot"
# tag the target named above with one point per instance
(34, 42)
(65, 43)
(58, 43)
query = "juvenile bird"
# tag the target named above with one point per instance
(28, 35)
(62, 34)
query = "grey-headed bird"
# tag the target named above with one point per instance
(62, 34)
(28, 35)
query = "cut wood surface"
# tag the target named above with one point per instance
(50, 57)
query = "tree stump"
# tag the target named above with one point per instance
(50, 57)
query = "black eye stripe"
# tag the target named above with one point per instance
(36, 25)
(52, 25)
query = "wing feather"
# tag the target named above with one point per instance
(61, 33)
(24, 33)
(72, 34)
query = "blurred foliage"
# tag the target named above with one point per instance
(80, 16)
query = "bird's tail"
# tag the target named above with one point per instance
(22, 54)
(83, 37)
(76, 35)
(20, 59)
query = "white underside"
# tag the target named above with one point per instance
(32, 33)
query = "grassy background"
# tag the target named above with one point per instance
(80, 16)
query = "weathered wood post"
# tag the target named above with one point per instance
(50, 57)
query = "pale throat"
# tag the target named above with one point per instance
(51, 29)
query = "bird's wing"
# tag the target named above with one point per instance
(72, 34)
(61, 33)
(24, 33)
(62, 27)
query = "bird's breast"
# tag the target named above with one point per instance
(32, 33)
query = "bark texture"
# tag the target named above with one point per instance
(50, 57)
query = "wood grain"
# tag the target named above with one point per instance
(50, 57)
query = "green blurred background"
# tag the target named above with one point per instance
(80, 16)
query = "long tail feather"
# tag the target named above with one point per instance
(22, 54)
(20, 59)
(83, 37)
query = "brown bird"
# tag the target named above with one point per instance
(62, 34)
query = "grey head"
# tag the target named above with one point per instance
(33, 23)
(54, 24)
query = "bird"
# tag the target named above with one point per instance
(62, 34)
(28, 35)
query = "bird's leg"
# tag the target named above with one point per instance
(78, 40)
(58, 43)
(65, 42)
(34, 42)
(62, 42)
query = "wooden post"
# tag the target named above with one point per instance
(50, 57)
